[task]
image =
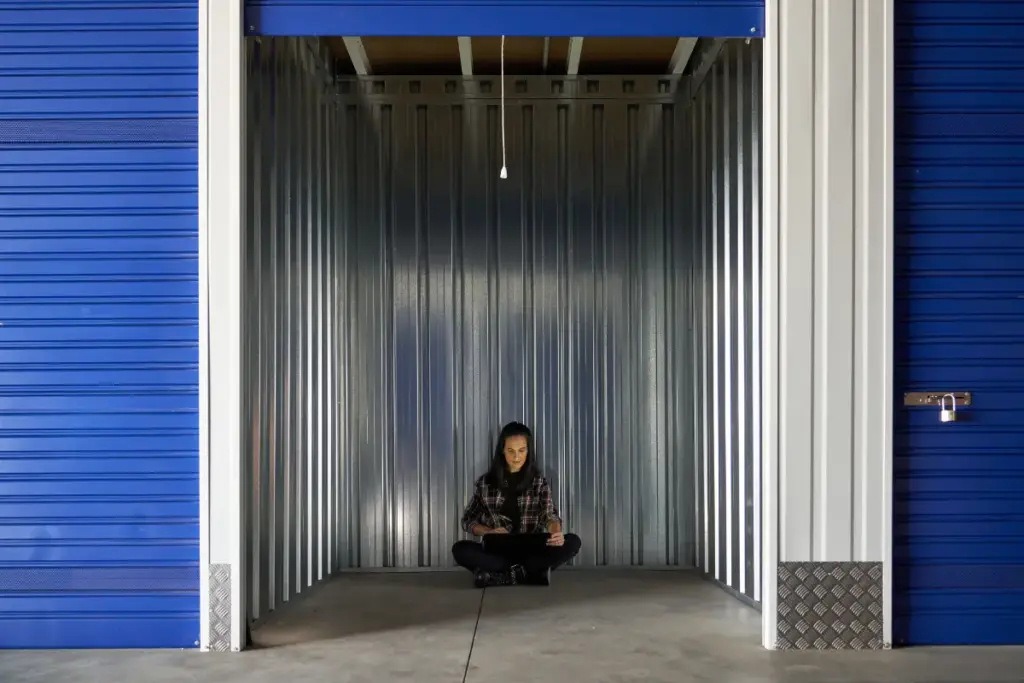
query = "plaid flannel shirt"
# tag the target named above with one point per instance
(536, 507)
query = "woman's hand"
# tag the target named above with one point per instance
(499, 530)
(557, 538)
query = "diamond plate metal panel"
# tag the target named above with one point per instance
(830, 606)
(220, 607)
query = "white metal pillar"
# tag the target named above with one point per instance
(221, 202)
(827, 282)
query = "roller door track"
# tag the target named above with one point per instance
(959, 488)
(98, 325)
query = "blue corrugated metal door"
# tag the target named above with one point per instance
(697, 18)
(98, 324)
(959, 487)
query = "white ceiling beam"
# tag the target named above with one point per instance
(466, 55)
(357, 53)
(547, 53)
(575, 51)
(681, 55)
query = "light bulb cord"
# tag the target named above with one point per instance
(504, 169)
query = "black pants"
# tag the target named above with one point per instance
(472, 556)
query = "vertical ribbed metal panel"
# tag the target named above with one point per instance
(723, 123)
(550, 297)
(99, 465)
(402, 303)
(291, 319)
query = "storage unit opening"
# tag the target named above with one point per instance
(403, 301)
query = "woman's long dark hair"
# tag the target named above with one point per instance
(499, 468)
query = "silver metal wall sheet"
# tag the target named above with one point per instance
(402, 303)
(548, 298)
(290, 373)
(723, 123)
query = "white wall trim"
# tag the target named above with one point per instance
(874, 230)
(795, 194)
(886, 392)
(204, 335)
(827, 461)
(835, 232)
(221, 217)
(770, 326)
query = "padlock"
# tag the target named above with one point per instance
(945, 414)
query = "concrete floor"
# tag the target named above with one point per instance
(590, 626)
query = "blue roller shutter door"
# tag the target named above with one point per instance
(98, 324)
(959, 487)
(696, 18)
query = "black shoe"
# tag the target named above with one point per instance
(539, 578)
(511, 577)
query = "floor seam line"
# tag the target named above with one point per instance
(472, 641)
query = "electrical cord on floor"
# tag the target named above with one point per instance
(472, 642)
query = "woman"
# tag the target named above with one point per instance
(513, 498)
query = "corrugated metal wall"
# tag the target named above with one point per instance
(556, 297)
(402, 303)
(724, 185)
(292, 322)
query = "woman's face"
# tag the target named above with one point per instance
(515, 453)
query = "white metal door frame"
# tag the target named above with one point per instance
(827, 285)
(807, 514)
(221, 224)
